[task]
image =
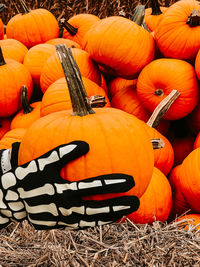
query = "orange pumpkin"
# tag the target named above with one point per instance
(189, 221)
(29, 113)
(68, 42)
(57, 98)
(12, 136)
(2, 7)
(156, 202)
(32, 27)
(36, 58)
(4, 126)
(118, 141)
(52, 69)
(12, 76)
(121, 46)
(154, 15)
(180, 204)
(13, 49)
(160, 77)
(77, 26)
(178, 33)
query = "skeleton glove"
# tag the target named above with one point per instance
(35, 191)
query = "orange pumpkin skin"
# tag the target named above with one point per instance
(22, 120)
(152, 21)
(182, 148)
(12, 136)
(118, 143)
(121, 46)
(127, 100)
(1, 30)
(160, 77)
(57, 98)
(36, 58)
(13, 49)
(174, 37)
(32, 28)
(180, 205)
(190, 179)
(4, 126)
(12, 76)
(163, 157)
(192, 221)
(68, 42)
(53, 71)
(83, 22)
(156, 202)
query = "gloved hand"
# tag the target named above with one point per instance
(35, 191)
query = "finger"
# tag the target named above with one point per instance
(103, 184)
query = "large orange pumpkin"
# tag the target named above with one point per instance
(12, 76)
(156, 202)
(163, 75)
(178, 33)
(52, 69)
(57, 98)
(32, 26)
(118, 141)
(121, 46)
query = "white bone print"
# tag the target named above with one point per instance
(66, 150)
(46, 189)
(23, 172)
(46, 161)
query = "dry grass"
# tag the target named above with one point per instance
(123, 244)
(68, 8)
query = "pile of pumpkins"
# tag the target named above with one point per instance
(134, 64)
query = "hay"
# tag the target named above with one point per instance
(119, 244)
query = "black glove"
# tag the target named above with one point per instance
(35, 191)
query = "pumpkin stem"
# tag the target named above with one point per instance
(159, 92)
(138, 17)
(24, 100)
(157, 143)
(97, 101)
(162, 108)
(2, 61)
(2, 7)
(194, 18)
(79, 99)
(24, 7)
(71, 29)
(155, 8)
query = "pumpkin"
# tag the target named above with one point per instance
(118, 141)
(32, 27)
(13, 49)
(36, 58)
(159, 194)
(12, 76)
(4, 126)
(121, 46)
(178, 33)
(29, 113)
(163, 75)
(197, 141)
(77, 26)
(153, 15)
(68, 42)
(57, 98)
(12, 136)
(52, 69)
(2, 7)
(189, 221)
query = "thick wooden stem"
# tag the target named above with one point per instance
(24, 100)
(194, 18)
(138, 17)
(162, 108)
(157, 143)
(71, 29)
(97, 101)
(155, 8)
(79, 99)
(24, 7)
(2, 61)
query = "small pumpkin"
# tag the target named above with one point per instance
(163, 75)
(29, 113)
(32, 27)
(156, 202)
(12, 136)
